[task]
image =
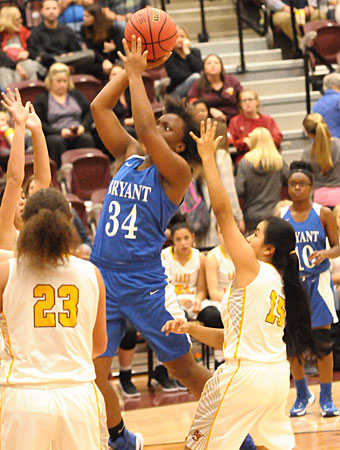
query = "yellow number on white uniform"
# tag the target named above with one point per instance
(277, 310)
(44, 317)
(70, 305)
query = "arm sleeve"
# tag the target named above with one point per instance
(237, 137)
(240, 180)
(194, 92)
(275, 131)
(195, 60)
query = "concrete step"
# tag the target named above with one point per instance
(296, 138)
(267, 70)
(285, 103)
(287, 121)
(292, 155)
(252, 56)
(178, 5)
(217, 22)
(276, 86)
(231, 45)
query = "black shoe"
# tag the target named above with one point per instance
(160, 377)
(180, 386)
(126, 386)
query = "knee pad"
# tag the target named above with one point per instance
(210, 317)
(323, 341)
(130, 339)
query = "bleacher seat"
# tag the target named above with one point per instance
(87, 84)
(29, 169)
(28, 89)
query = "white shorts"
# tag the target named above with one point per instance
(243, 398)
(58, 418)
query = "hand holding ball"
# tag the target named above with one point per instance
(156, 29)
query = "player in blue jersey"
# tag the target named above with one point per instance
(145, 192)
(313, 223)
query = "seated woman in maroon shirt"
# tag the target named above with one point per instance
(247, 120)
(219, 89)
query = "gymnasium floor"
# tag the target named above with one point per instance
(164, 419)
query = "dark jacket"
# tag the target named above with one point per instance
(45, 42)
(41, 108)
(179, 69)
(5, 61)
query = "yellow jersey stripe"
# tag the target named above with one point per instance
(7, 338)
(98, 412)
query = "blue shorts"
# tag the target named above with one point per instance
(321, 298)
(148, 302)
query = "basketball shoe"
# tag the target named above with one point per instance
(300, 406)
(128, 441)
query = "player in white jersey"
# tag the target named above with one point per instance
(187, 269)
(53, 322)
(265, 304)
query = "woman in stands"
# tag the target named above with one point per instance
(13, 41)
(64, 112)
(324, 156)
(219, 89)
(249, 118)
(100, 35)
(260, 177)
(184, 65)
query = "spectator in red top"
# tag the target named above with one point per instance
(219, 89)
(13, 41)
(247, 120)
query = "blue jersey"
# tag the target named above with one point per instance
(133, 220)
(310, 237)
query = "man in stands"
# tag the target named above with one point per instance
(329, 104)
(52, 42)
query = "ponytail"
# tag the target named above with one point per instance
(48, 236)
(321, 149)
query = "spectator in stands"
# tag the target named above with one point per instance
(13, 40)
(308, 11)
(100, 35)
(64, 113)
(184, 65)
(250, 118)
(123, 107)
(225, 168)
(329, 104)
(324, 156)
(71, 14)
(202, 112)
(260, 176)
(119, 11)
(10, 71)
(219, 89)
(51, 41)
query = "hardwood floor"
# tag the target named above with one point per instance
(164, 419)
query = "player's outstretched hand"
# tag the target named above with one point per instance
(33, 121)
(178, 326)
(14, 105)
(206, 144)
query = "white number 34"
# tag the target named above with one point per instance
(128, 224)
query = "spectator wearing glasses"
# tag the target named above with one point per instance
(247, 120)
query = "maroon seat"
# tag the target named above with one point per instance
(90, 171)
(79, 206)
(29, 169)
(326, 45)
(97, 199)
(87, 84)
(28, 89)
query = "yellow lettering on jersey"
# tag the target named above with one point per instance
(182, 289)
(278, 304)
(42, 318)
(71, 295)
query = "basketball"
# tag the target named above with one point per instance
(156, 29)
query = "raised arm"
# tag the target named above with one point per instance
(15, 169)
(42, 170)
(201, 291)
(172, 167)
(242, 255)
